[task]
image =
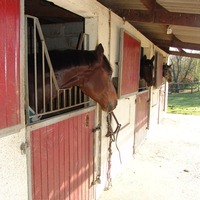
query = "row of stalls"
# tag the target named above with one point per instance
(57, 154)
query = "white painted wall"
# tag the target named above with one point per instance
(13, 168)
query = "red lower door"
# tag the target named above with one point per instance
(141, 118)
(62, 159)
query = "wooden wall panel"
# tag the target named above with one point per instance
(159, 67)
(141, 119)
(9, 63)
(62, 159)
(130, 62)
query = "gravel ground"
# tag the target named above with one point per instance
(166, 166)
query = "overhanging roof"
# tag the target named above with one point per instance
(167, 23)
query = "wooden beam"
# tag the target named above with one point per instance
(183, 53)
(135, 15)
(181, 19)
(149, 4)
(48, 11)
(177, 44)
(160, 16)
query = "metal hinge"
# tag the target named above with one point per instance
(97, 180)
(23, 147)
(97, 128)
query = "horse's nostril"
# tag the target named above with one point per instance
(112, 106)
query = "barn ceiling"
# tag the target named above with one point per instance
(167, 23)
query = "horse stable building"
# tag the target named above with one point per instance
(53, 140)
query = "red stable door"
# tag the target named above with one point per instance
(141, 118)
(9, 63)
(62, 159)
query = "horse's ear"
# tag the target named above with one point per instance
(144, 57)
(99, 50)
(152, 59)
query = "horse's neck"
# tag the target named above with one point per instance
(142, 72)
(70, 77)
(66, 78)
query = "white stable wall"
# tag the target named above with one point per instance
(13, 168)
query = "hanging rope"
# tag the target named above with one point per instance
(113, 138)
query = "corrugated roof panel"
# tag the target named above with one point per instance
(151, 30)
(182, 32)
(125, 4)
(181, 6)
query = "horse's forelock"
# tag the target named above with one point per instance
(107, 65)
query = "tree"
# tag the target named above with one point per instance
(185, 69)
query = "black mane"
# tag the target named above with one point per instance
(75, 58)
(70, 58)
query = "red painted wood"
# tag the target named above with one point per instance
(91, 158)
(130, 66)
(67, 159)
(83, 160)
(2, 64)
(9, 63)
(62, 160)
(159, 67)
(75, 140)
(61, 139)
(56, 162)
(71, 156)
(79, 129)
(37, 165)
(44, 163)
(87, 158)
(141, 118)
(50, 162)
(141, 111)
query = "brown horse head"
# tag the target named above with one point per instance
(91, 71)
(146, 70)
(167, 73)
(98, 83)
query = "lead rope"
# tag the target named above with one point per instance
(111, 134)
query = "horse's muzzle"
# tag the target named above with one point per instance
(111, 106)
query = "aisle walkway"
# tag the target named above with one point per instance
(167, 165)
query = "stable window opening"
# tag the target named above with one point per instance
(50, 28)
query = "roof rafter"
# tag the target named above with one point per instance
(149, 4)
(183, 53)
(177, 43)
(157, 14)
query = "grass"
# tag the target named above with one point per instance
(184, 103)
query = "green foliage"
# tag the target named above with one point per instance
(184, 103)
(185, 69)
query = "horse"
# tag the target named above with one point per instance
(167, 72)
(90, 70)
(146, 70)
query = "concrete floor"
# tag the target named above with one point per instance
(166, 166)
